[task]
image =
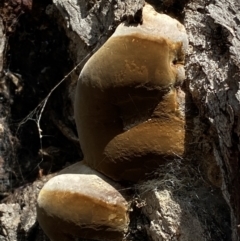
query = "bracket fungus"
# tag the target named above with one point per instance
(80, 202)
(129, 121)
(126, 107)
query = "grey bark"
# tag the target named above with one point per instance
(18, 213)
(213, 73)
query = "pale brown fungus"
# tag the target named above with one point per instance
(126, 108)
(130, 119)
(80, 202)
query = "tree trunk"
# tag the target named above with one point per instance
(213, 73)
(192, 198)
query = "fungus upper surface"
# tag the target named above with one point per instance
(80, 199)
(126, 108)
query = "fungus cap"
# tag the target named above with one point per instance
(83, 203)
(156, 25)
(126, 106)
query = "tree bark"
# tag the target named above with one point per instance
(213, 75)
(195, 198)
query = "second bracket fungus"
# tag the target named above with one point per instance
(80, 202)
(126, 107)
(130, 120)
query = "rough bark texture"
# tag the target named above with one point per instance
(213, 73)
(18, 214)
(193, 189)
(6, 144)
